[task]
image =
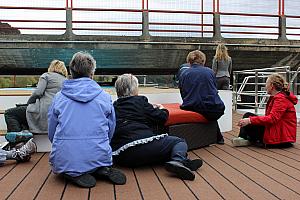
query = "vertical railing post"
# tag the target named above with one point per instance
(281, 21)
(69, 18)
(256, 92)
(145, 20)
(216, 20)
(202, 19)
(235, 90)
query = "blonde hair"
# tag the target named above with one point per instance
(197, 57)
(278, 82)
(126, 85)
(222, 53)
(58, 67)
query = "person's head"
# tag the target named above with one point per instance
(127, 85)
(58, 67)
(82, 65)
(276, 83)
(221, 52)
(196, 57)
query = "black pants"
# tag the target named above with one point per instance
(253, 133)
(157, 151)
(223, 83)
(214, 116)
(15, 119)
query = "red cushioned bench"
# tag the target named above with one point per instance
(192, 126)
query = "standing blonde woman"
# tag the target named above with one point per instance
(222, 66)
(278, 125)
(33, 116)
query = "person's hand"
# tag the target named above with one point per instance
(244, 122)
(159, 106)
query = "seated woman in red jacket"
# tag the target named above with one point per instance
(278, 126)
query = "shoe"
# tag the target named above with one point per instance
(179, 170)
(193, 164)
(240, 142)
(16, 137)
(220, 141)
(114, 175)
(84, 180)
(23, 153)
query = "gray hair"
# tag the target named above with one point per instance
(126, 85)
(82, 65)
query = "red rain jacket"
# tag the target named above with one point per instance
(280, 119)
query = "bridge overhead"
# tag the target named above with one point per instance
(147, 37)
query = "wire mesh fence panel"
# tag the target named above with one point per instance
(181, 18)
(122, 18)
(249, 19)
(293, 19)
(32, 17)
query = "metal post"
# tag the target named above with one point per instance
(256, 92)
(216, 21)
(235, 91)
(145, 20)
(282, 21)
(69, 18)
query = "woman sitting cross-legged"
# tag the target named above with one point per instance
(277, 128)
(135, 142)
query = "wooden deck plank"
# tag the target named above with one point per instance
(286, 154)
(294, 151)
(39, 174)
(130, 190)
(222, 185)
(266, 186)
(149, 184)
(5, 169)
(280, 166)
(52, 189)
(233, 170)
(103, 190)
(176, 188)
(200, 187)
(11, 181)
(265, 167)
(75, 193)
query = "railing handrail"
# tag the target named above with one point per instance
(259, 73)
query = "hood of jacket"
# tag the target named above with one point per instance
(290, 96)
(81, 89)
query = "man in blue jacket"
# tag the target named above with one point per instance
(198, 89)
(81, 123)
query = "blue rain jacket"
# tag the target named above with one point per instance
(81, 123)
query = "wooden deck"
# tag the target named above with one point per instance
(227, 173)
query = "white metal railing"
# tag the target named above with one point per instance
(250, 83)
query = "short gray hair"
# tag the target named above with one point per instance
(127, 85)
(82, 65)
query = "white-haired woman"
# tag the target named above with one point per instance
(135, 143)
(222, 66)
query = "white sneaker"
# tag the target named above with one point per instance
(240, 142)
(23, 154)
